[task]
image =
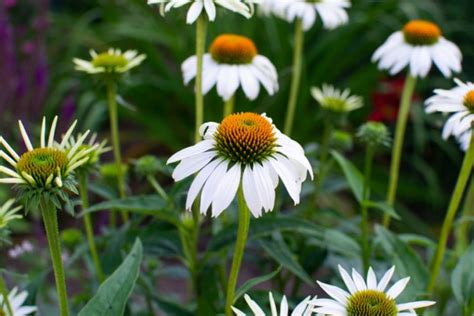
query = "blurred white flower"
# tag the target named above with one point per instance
(109, 62)
(418, 45)
(332, 12)
(209, 6)
(16, 301)
(233, 62)
(302, 309)
(245, 150)
(21, 249)
(366, 298)
(7, 213)
(335, 100)
(460, 102)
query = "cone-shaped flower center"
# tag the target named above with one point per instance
(41, 163)
(107, 60)
(245, 138)
(371, 303)
(419, 32)
(469, 100)
(233, 49)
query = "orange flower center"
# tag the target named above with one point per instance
(233, 49)
(469, 100)
(245, 138)
(419, 32)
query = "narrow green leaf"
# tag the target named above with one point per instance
(406, 260)
(254, 282)
(340, 242)
(279, 251)
(353, 175)
(152, 205)
(462, 279)
(384, 207)
(111, 297)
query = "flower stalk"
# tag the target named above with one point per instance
(50, 220)
(456, 197)
(242, 234)
(89, 227)
(402, 119)
(364, 223)
(200, 48)
(463, 229)
(114, 130)
(296, 78)
(229, 106)
(4, 293)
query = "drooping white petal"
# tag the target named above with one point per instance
(397, 288)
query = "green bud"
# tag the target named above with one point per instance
(71, 237)
(342, 140)
(374, 134)
(148, 165)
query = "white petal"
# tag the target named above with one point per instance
(194, 11)
(211, 186)
(397, 288)
(414, 305)
(199, 148)
(250, 193)
(347, 280)
(192, 165)
(336, 293)
(226, 190)
(199, 181)
(385, 279)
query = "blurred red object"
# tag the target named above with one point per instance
(386, 100)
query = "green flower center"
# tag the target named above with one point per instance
(245, 138)
(334, 104)
(371, 303)
(41, 163)
(233, 49)
(313, 1)
(469, 100)
(108, 61)
(419, 32)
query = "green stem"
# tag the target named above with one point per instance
(4, 293)
(114, 131)
(463, 177)
(323, 157)
(50, 221)
(158, 188)
(229, 106)
(364, 223)
(242, 233)
(200, 48)
(296, 78)
(89, 227)
(462, 231)
(402, 119)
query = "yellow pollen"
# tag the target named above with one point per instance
(107, 60)
(245, 138)
(419, 32)
(469, 100)
(233, 49)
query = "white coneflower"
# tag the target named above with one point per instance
(335, 100)
(112, 61)
(209, 6)
(418, 45)
(459, 101)
(366, 298)
(302, 309)
(244, 149)
(233, 62)
(16, 300)
(7, 213)
(332, 12)
(97, 149)
(47, 165)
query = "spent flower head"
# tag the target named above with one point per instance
(111, 62)
(374, 134)
(366, 298)
(245, 150)
(196, 7)
(335, 100)
(418, 45)
(232, 62)
(7, 213)
(45, 171)
(302, 309)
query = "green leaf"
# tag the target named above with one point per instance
(462, 279)
(111, 297)
(407, 261)
(279, 251)
(353, 175)
(384, 207)
(152, 205)
(340, 242)
(254, 282)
